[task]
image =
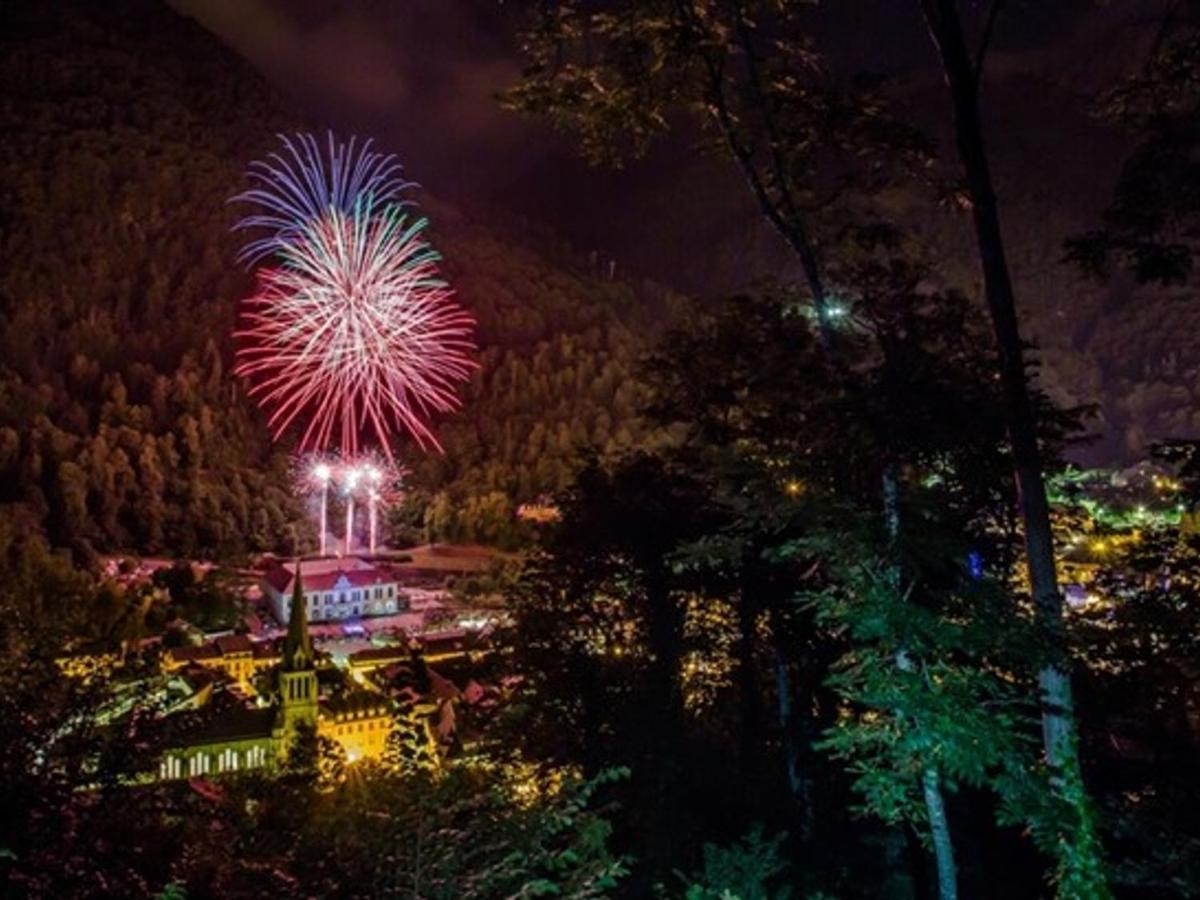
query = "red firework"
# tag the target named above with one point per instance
(355, 334)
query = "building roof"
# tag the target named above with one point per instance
(230, 644)
(446, 641)
(226, 645)
(235, 723)
(441, 687)
(325, 574)
(194, 654)
(196, 677)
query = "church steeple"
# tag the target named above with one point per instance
(298, 689)
(297, 646)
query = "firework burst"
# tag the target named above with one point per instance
(303, 183)
(352, 336)
(355, 333)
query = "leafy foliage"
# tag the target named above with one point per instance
(744, 870)
(1150, 228)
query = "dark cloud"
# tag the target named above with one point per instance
(422, 75)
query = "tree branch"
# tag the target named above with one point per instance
(787, 221)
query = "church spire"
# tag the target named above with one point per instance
(297, 646)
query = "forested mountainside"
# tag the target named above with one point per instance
(559, 364)
(118, 431)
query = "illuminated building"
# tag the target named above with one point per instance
(246, 737)
(235, 655)
(342, 588)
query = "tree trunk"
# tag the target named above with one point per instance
(931, 788)
(749, 696)
(794, 742)
(939, 829)
(662, 741)
(962, 77)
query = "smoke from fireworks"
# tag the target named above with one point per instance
(354, 333)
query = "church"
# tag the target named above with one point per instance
(249, 736)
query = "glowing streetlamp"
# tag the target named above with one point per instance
(351, 482)
(322, 474)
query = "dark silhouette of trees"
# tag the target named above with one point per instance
(1081, 869)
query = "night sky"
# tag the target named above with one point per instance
(422, 76)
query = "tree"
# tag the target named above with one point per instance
(600, 638)
(745, 870)
(1138, 647)
(749, 74)
(1083, 873)
(1150, 227)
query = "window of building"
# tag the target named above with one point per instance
(228, 760)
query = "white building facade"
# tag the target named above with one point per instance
(335, 589)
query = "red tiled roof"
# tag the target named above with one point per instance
(355, 704)
(326, 581)
(280, 577)
(442, 688)
(233, 724)
(225, 645)
(444, 641)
